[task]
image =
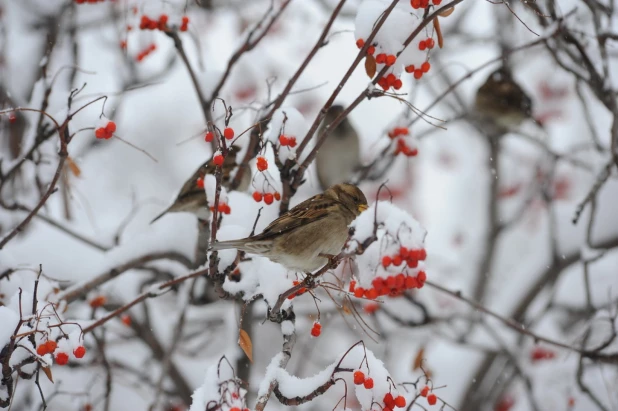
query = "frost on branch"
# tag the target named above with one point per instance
(390, 244)
(373, 385)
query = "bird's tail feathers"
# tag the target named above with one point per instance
(224, 245)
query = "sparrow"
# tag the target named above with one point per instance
(192, 198)
(501, 103)
(305, 237)
(339, 155)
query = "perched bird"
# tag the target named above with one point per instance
(307, 235)
(501, 103)
(339, 155)
(192, 198)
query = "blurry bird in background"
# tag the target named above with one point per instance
(305, 237)
(192, 198)
(339, 155)
(501, 103)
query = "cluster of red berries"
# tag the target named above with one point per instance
(261, 163)
(403, 148)
(383, 58)
(228, 133)
(299, 292)
(146, 23)
(359, 378)
(423, 4)
(410, 257)
(391, 402)
(360, 43)
(431, 398)
(287, 141)
(390, 81)
(267, 197)
(222, 208)
(106, 132)
(426, 44)
(392, 286)
(418, 72)
(184, 25)
(540, 354)
(62, 358)
(144, 53)
(316, 330)
(238, 409)
(88, 1)
(399, 131)
(48, 347)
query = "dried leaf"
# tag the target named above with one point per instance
(436, 26)
(447, 12)
(370, 65)
(418, 360)
(345, 307)
(73, 167)
(48, 373)
(245, 343)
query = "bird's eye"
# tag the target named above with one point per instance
(355, 198)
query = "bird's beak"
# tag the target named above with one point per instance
(362, 207)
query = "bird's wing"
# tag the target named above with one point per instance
(311, 210)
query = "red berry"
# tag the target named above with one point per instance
(425, 67)
(42, 349)
(98, 301)
(317, 325)
(283, 140)
(262, 164)
(218, 160)
(400, 281)
(418, 73)
(422, 254)
(397, 261)
(381, 58)
(389, 401)
(378, 283)
(422, 45)
(371, 50)
(421, 276)
(430, 43)
(235, 409)
(209, 136)
(386, 261)
(359, 377)
(412, 263)
(410, 68)
(390, 282)
(62, 358)
(100, 133)
(432, 399)
(368, 383)
(79, 352)
(391, 59)
(126, 320)
(358, 293)
(315, 332)
(185, 20)
(411, 282)
(292, 142)
(360, 43)
(398, 84)
(257, 196)
(51, 346)
(424, 391)
(228, 133)
(277, 196)
(371, 308)
(372, 294)
(268, 198)
(163, 19)
(199, 182)
(352, 286)
(226, 208)
(416, 4)
(400, 401)
(110, 127)
(437, 2)
(403, 252)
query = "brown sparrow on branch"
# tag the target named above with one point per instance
(192, 197)
(304, 238)
(501, 103)
(339, 155)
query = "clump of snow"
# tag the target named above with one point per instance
(221, 389)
